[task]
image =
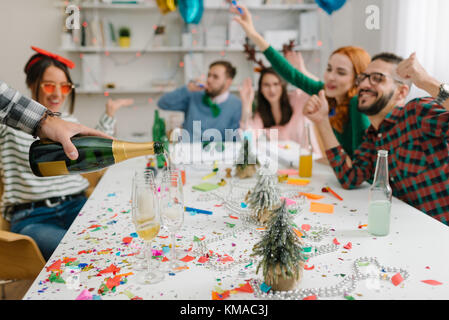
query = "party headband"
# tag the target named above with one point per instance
(69, 63)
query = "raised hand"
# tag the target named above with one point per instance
(247, 92)
(317, 108)
(113, 105)
(411, 69)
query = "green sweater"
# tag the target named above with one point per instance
(353, 130)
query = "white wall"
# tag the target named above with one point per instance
(38, 22)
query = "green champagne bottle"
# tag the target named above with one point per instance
(47, 158)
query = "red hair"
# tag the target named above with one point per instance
(360, 60)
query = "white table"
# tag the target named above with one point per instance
(416, 243)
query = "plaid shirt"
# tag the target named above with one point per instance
(17, 111)
(416, 137)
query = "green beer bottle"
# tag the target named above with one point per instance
(47, 158)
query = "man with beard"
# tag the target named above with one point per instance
(416, 135)
(211, 103)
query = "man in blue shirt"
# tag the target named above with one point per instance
(211, 112)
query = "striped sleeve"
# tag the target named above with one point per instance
(17, 111)
(362, 168)
(106, 124)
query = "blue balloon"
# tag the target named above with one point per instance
(191, 10)
(330, 5)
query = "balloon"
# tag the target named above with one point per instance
(330, 5)
(191, 10)
(166, 6)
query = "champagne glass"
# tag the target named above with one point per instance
(146, 176)
(146, 217)
(172, 210)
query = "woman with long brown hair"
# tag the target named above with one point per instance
(276, 108)
(344, 65)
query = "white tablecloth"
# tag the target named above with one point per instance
(99, 237)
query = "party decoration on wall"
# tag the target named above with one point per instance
(330, 5)
(191, 10)
(166, 6)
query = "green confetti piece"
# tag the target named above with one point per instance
(96, 229)
(349, 298)
(307, 249)
(363, 264)
(230, 225)
(196, 239)
(249, 265)
(55, 278)
(110, 210)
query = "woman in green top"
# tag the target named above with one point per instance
(339, 83)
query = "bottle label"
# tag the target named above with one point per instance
(52, 168)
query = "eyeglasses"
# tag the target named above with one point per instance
(50, 87)
(374, 78)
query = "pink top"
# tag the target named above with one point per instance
(294, 129)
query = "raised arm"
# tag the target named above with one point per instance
(278, 62)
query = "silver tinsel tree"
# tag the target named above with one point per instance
(265, 197)
(280, 248)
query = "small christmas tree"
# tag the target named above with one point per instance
(265, 196)
(281, 251)
(246, 162)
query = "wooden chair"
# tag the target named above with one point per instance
(20, 257)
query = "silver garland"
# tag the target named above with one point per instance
(343, 288)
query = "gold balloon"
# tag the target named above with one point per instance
(166, 6)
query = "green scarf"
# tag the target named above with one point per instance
(214, 107)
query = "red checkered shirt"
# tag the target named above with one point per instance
(416, 138)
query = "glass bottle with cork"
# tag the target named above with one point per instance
(305, 154)
(380, 194)
(159, 134)
(47, 158)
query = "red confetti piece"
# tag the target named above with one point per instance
(163, 237)
(127, 240)
(362, 226)
(245, 288)
(227, 259)
(55, 266)
(348, 246)
(310, 298)
(222, 296)
(113, 282)
(94, 226)
(309, 268)
(232, 217)
(68, 260)
(305, 227)
(432, 282)
(335, 241)
(187, 258)
(111, 269)
(164, 259)
(203, 259)
(397, 279)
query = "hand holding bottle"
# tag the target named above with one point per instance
(61, 131)
(196, 85)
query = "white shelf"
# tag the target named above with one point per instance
(137, 90)
(167, 49)
(147, 6)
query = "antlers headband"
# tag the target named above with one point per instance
(69, 63)
(251, 53)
